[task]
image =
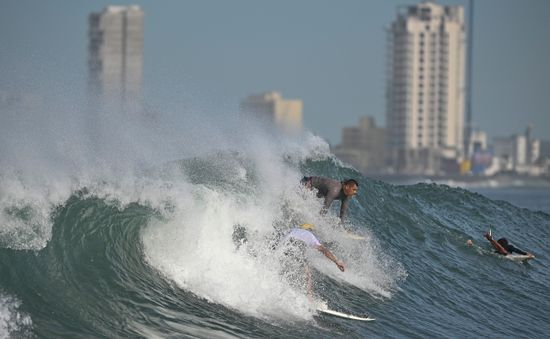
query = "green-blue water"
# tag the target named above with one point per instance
(156, 257)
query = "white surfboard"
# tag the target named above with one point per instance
(324, 310)
(519, 257)
(353, 236)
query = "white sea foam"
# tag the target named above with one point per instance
(193, 244)
(52, 148)
(196, 247)
(25, 209)
(13, 322)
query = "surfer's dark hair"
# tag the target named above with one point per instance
(351, 181)
(503, 242)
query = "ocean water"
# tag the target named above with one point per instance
(178, 244)
(533, 198)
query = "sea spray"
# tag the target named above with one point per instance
(154, 254)
(196, 245)
(13, 322)
(136, 220)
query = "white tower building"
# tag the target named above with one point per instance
(115, 56)
(425, 88)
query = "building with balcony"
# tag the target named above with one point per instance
(425, 87)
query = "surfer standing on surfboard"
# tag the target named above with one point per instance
(503, 247)
(295, 243)
(332, 190)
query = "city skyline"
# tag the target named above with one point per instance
(331, 56)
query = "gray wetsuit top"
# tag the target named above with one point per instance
(332, 190)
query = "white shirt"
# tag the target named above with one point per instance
(303, 235)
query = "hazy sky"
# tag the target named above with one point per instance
(330, 54)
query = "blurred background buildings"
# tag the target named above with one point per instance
(428, 108)
(428, 97)
(115, 57)
(270, 107)
(364, 146)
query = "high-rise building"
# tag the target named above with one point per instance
(425, 87)
(272, 108)
(115, 56)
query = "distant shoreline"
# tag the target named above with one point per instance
(495, 181)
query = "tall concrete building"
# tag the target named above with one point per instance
(272, 108)
(363, 146)
(425, 87)
(115, 56)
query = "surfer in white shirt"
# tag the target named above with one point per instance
(295, 241)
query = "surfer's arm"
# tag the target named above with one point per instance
(518, 251)
(331, 256)
(344, 209)
(326, 205)
(496, 245)
(327, 188)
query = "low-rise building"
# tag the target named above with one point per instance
(518, 153)
(272, 108)
(363, 146)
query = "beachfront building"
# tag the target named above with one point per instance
(544, 149)
(518, 153)
(509, 152)
(270, 107)
(115, 56)
(425, 88)
(544, 156)
(480, 160)
(363, 146)
(478, 141)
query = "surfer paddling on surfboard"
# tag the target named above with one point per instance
(295, 243)
(504, 248)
